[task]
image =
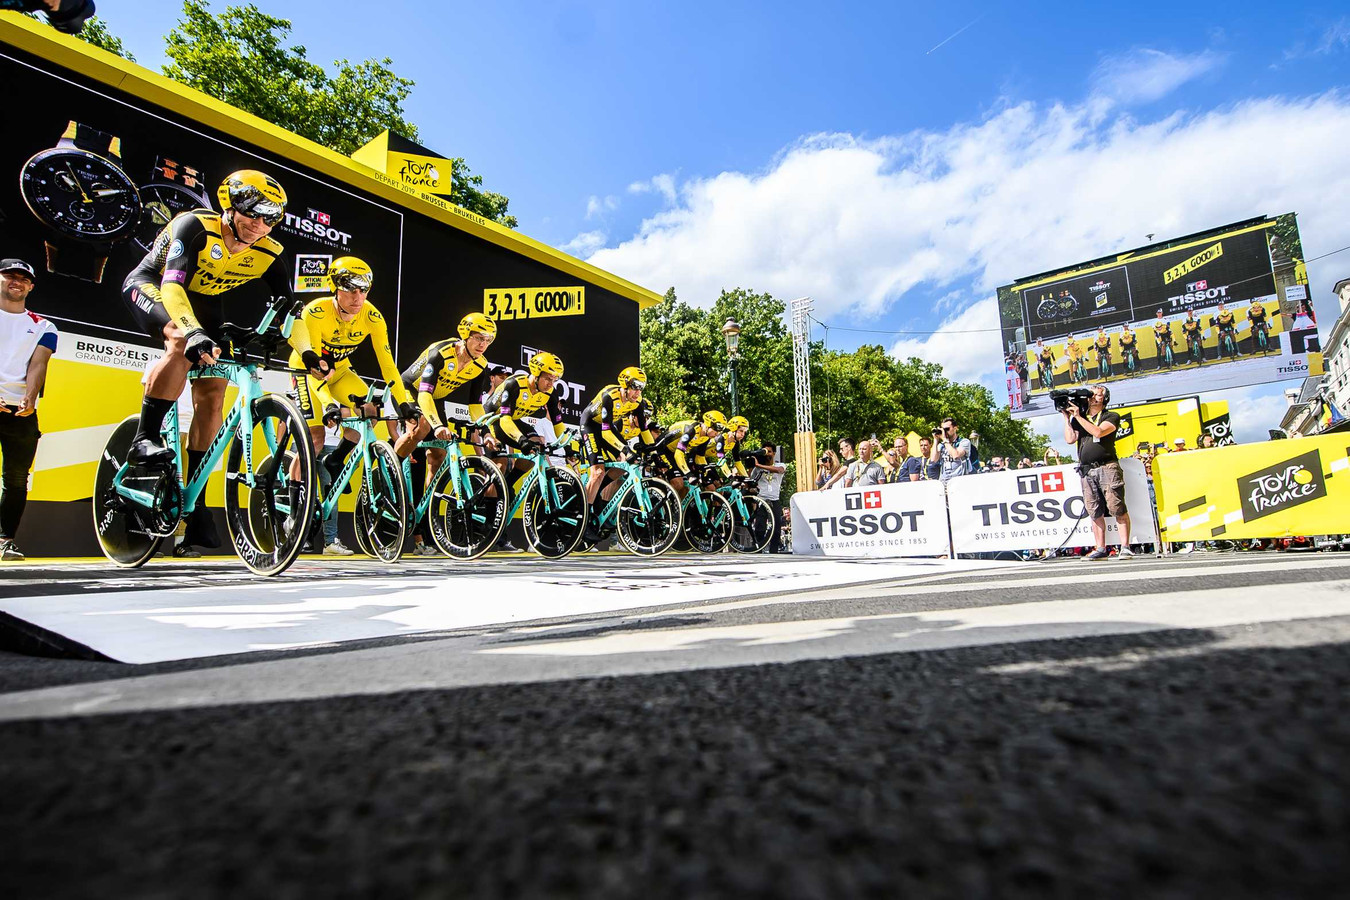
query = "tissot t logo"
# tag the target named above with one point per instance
(1052, 482)
(1029, 484)
(871, 499)
(1040, 483)
(1282, 486)
(853, 501)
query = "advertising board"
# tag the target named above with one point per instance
(908, 519)
(1212, 310)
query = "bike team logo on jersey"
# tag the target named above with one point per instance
(1286, 484)
(1040, 483)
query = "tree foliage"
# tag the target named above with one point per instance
(855, 394)
(246, 58)
(96, 32)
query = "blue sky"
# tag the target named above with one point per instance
(895, 161)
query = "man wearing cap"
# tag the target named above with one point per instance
(1093, 430)
(27, 342)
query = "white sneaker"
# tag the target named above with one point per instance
(1189, 548)
(1125, 553)
(425, 550)
(337, 549)
(9, 551)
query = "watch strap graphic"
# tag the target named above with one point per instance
(170, 171)
(77, 260)
(84, 137)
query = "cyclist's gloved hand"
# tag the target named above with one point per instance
(317, 365)
(332, 414)
(200, 344)
(408, 412)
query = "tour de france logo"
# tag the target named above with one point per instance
(1282, 486)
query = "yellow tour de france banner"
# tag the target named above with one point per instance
(1273, 489)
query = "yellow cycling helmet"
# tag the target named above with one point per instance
(477, 322)
(254, 194)
(738, 422)
(545, 362)
(633, 377)
(714, 419)
(348, 273)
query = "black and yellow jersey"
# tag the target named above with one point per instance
(608, 408)
(1127, 338)
(337, 340)
(188, 259)
(515, 399)
(725, 449)
(1190, 326)
(1046, 355)
(437, 374)
(1222, 320)
(1103, 341)
(1071, 350)
(1256, 312)
(683, 440)
(1163, 330)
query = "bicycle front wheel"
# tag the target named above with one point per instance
(652, 531)
(752, 533)
(554, 512)
(127, 531)
(382, 505)
(468, 510)
(708, 530)
(268, 509)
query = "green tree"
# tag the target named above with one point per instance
(245, 58)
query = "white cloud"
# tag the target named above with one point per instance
(585, 244)
(1336, 37)
(1254, 410)
(1144, 75)
(663, 184)
(597, 205)
(864, 226)
(964, 343)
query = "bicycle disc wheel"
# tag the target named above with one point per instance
(269, 511)
(709, 532)
(467, 514)
(654, 531)
(382, 505)
(753, 533)
(127, 532)
(554, 512)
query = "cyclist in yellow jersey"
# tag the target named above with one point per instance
(526, 396)
(1256, 314)
(177, 293)
(444, 369)
(686, 440)
(1190, 329)
(1045, 360)
(1074, 354)
(337, 325)
(1102, 344)
(600, 443)
(728, 441)
(1162, 335)
(1225, 323)
(1129, 353)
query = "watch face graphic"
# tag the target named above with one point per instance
(162, 203)
(80, 194)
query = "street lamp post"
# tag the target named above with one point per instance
(732, 332)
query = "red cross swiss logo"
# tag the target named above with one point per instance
(322, 218)
(1051, 481)
(872, 500)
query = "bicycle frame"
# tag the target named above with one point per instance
(632, 474)
(364, 426)
(538, 464)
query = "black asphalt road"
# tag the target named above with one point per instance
(1171, 764)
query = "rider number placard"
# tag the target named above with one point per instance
(510, 304)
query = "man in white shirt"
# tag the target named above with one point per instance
(769, 477)
(27, 342)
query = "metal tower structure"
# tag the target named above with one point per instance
(801, 361)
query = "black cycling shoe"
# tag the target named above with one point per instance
(201, 529)
(146, 452)
(334, 470)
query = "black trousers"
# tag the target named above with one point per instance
(776, 543)
(18, 445)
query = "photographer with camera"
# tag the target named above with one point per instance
(1093, 431)
(950, 451)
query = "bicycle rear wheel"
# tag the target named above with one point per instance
(467, 514)
(554, 512)
(267, 509)
(127, 531)
(654, 531)
(708, 531)
(382, 505)
(753, 533)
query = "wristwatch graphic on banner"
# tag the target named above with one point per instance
(79, 191)
(173, 188)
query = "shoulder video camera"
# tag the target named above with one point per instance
(1079, 397)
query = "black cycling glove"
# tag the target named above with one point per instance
(198, 342)
(409, 411)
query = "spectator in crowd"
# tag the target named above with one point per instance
(825, 469)
(952, 452)
(843, 477)
(868, 471)
(1205, 441)
(769, 477)
(1052, 457)
(1179, 445)
(1025, 463)
(903, 466)
(932, 471)
(1093, 432)
(27, 342)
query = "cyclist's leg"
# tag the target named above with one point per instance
(165, 379)
(342, 387)
(594, 452)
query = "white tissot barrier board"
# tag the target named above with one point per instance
(1028, 509)
(906, 519)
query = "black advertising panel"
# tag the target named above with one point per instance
(1212, 310)
(96, 171)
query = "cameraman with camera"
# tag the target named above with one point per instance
(951, 451)
(1093, 431)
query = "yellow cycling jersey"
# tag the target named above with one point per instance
(337, 340)
(1224, 320)
(1256, 312)
(1103, 341)
(609, 407)
(1126, 338)
(437, 374)
(1190, 325)
(1071, 350)
(515, 399)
